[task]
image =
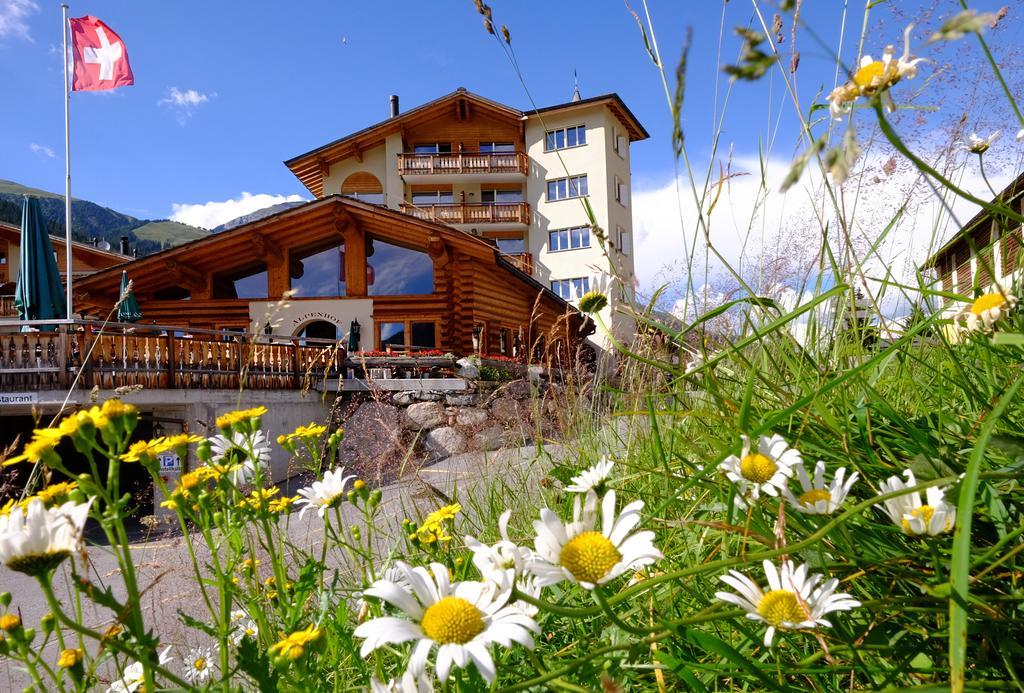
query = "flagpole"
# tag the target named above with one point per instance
(67, 165)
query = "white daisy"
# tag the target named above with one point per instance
(875, 77)
(578, 552)
(979, 145)
(325, 494)
(592, 479)
(935, 517)
(409, 683)
(462, 619)
(242, 626)
(794, 601)
(765, 470)
(988, 309)
(38, 539)
(500, 556)
(132, 677)
(234, 452)
(817, 497)
(199, 665)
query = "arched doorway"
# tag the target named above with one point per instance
(319, 329)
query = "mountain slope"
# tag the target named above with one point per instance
(257, 215)
(90, 220)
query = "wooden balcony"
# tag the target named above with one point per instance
(472, 213)
(161, 357)
(456, 163)
(7, 309)
(522, 261)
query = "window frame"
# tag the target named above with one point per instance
(621, 233)
(496, 143)
(436, 145)
(580, 285)
(566, 183)
(564, 132)
(407, 323)
(620, 191)
(568, 235)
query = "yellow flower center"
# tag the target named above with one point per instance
(867, 74)
(925, 512)
(987, 302)
(199, 664)
(589, 556)
(452, 620)
(809, 498)
(780, 606)
(757, 468)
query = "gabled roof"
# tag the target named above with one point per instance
(231, 249)
(1007, 195)
(13, 232)
(311, 166)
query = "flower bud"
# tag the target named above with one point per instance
(47, 622)
(375, 498)
(5, 599)
(10, 623)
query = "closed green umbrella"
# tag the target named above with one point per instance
(128, 311)
(39, 294)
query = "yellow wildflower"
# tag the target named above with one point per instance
(258, 499)
(313, 430)
(10, 622)
(70, 658)
(44, 440)
(294, 646)
(281, 505)
(115, 408)
(233, 418)
(56, 494)
(151, 448)
(448, 512)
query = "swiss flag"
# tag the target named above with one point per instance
(100, 58)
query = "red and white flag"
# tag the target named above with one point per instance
(100, 58)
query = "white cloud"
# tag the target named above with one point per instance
(184, 102)
(13, 18)
(208, 215)
(749, 220)
(42, 150)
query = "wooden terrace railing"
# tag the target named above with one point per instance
(165, 357)
(471, 213)
(522, 261)
(410, 163)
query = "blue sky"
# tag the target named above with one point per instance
(226, 91)
(277, 83)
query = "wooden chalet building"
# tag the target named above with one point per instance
(85, 259)
(986, 251)
(407, 282)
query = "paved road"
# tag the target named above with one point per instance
(165, 570)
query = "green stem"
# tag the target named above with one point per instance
(998, 72)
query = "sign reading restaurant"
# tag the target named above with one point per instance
(13, 398)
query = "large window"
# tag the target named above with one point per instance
(571, 289)
(432, 197)
(565, 188)
(248, 283)
(497, 147)
(395, 271)
(392, 334)
(563, 138)
(500, 196)
(408, 333)
(433, 148)
(569, 239)
(511, 246)
(320, 273)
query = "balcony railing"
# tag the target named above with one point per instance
(462, 162)
(160, 357)
(522, 261)
(472, 213)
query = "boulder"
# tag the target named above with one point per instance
(403, 399)
(471, 417)
(465, 368)
(429, 396)
(505, 409)
(461, 400)
(490, 438)
(373, 441)
(425, 415)
(445, 441)
(536, 375)
(519, 389)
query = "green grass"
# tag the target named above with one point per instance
(170, 232)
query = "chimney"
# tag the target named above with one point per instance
(125, 250)
(394, 105)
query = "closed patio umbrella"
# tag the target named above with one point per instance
(129, 310)
(39, 294)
